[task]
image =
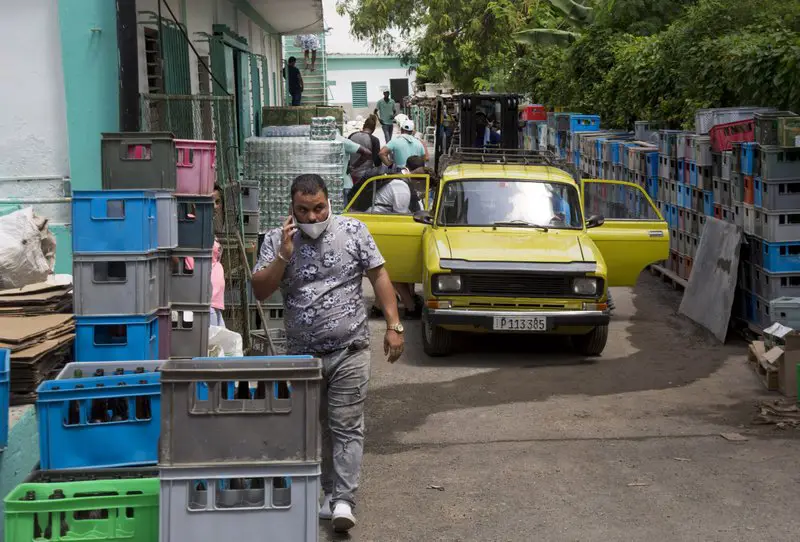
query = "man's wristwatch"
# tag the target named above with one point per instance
(397, 328)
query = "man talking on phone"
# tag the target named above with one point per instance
(318, 259)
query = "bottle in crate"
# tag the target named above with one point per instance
(99, 421)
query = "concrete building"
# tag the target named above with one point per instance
(73, 69)
(357, 74)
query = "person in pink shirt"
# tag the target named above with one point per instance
(217, 271)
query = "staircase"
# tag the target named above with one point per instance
(315, 91)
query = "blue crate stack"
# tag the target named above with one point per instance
(115, 270)
(5, 377)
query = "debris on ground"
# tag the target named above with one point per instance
(437, 488)
(734, 437)
(782, 413)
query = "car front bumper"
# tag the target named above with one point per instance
(484, 319)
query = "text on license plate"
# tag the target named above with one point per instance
(520, 323)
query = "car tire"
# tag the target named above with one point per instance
(436, 341)
(593, 343)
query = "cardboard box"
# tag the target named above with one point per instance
(787, 375)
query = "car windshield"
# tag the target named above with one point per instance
(510, 203)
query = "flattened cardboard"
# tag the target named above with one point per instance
(17, 330)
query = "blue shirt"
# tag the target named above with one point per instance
(404, 146)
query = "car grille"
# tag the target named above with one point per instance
(517, 285)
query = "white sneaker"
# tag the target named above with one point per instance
(343, 518)
(325, 511)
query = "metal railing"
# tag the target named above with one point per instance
(196, 116)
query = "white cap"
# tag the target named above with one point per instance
(407, 125)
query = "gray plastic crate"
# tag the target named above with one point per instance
(758, 223)
(261, 346)
(673, 192)
(167, 221)
(253, 502)
(716, 188)
(738, 214)
(250, 193)
(681, 245)
(192, 286)
(767, 126)
(784, 310)
(702, 150)
(273, 313)
(250, 222)
(705, 119)
(779, 163)
(673, 240)
(726, 165)
(86, 369)
(204, 420)
(164, 279)
(780, 196)
(775, 285)
(737, 187)
(749, 220)
(108, 284)
(189, 333)
(139, 160)
(727, 194)
(195, 222)
(781, 227)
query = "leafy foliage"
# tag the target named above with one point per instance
(624, 59)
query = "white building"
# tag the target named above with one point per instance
(358, 75)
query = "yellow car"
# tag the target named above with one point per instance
(507, 249)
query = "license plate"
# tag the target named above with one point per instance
(520, 323)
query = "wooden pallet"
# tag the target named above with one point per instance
(669, 277)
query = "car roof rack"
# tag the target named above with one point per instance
(489, 155)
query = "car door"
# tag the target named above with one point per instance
(398, 236)
(634, 234)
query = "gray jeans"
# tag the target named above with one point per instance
(388, 130)
(341, 415)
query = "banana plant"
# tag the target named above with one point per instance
(577, 15)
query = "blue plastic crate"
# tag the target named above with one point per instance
(682, 191)
(584, 123)
(674, 215)
(576, 158)
(748, 158)
(750, 308)
(598, 148)
(116, 338)
(5, 374)
(708, 202)
(668, 214)
(781, 257)
(651, 186)
(681, 177)
(694, 174)
(616, 158)
(758, 195)
(651, 164)
(114, 221)
(108, 421)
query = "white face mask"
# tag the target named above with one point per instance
(317, 228)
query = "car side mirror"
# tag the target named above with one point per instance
(423, 217)
(595, 221)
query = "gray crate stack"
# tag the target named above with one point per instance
(765, 184)
(240, 449)
(190, 285)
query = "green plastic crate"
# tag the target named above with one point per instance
(109, 510)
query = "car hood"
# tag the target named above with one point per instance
(513, 245)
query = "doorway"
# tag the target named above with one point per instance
(399, 89)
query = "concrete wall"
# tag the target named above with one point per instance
(33, 121)
(375, 71)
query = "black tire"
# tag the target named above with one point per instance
(436, 341)
(593, 343)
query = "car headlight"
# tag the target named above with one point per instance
(448, 283)
(584, 286)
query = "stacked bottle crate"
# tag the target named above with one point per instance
(217, 485)
(179, 176)
(99, 426)
(765, 185)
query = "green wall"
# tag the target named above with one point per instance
(91, 82)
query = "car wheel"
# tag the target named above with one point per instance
(593, 343)
(436, 341)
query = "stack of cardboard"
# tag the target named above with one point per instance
(34, 299)
(37, 326)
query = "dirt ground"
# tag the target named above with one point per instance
(517, 439)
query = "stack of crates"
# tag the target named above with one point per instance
(219, 484)
(179, 174)
(99, 427)
(5, 375)
(765, 188)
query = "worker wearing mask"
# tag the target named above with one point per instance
(317, 259)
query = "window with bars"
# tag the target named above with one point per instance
(359, 89)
